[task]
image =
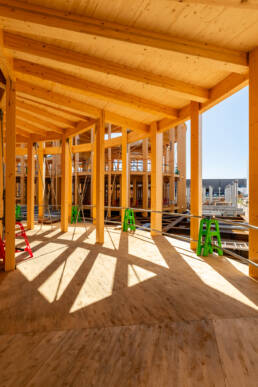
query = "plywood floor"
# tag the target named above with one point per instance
(137, 311)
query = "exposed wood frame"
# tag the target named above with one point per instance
(90, 88)
(75, 105)
(64, 55)
(232, 60)
(81, 127)
(38, 122)
(242, 4)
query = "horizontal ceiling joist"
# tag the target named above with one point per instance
(233, 61)
(45, 94)
(64, 55)
(21, 104)
(96, 90)
(30, 128)
(38, 122)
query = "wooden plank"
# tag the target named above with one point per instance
(253, 160)
(89, 88)
(64, 55)
(65, 184)
(100, 168)
(129, 123)
(231, 60)
(241, 4)
(196, 173)
(30, 185)
(20, 151)
(52, 150)
(181, 165)
(82, 148)
(156, 179)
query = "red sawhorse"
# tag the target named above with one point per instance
(20, 233)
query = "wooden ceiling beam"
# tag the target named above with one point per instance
(38, 122)
(30, 89)
(81, 127)
(28, 127)
(46, 114)
(64, 55)
(232, 60)
(241, 4)
(96, 90)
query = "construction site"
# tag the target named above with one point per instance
(115, 269)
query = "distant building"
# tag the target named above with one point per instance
(219, 185)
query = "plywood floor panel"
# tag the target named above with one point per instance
(136, 311)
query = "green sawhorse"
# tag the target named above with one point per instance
(209, 229)
(76, 216)
(129, 220)
(18, 216)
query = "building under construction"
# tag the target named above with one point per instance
(95, 97)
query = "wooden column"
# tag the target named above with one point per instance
(196, 172)
(253, 159)
(30, 185)
(65, 160)
(171, 168)
(181, 163)
(22, 178)
(70, 179)
(134, 190)
(109, 173)
(100, 176)
(10, 197)
(41, 179)
(93, 175)
(156, 178)
(76, 160)
(145, 178)
(125, 173)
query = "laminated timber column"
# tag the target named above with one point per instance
(125, 173)
(70, 178)
(171, 169)
(76, 160)
(145, 181)
(196, 172)
(109, 172)
(253, 159)
(181, 163)
(30, 185)
(100, 176)
(10, 200)
(41, 179)
(93, 176)
(65, 184)
(156, 139)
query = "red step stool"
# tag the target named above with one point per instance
(20, 233)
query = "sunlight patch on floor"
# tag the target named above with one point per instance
(42, 259)
(149, 253)
(98, 284)
(137, 274)
(215, 280)
(53, 288)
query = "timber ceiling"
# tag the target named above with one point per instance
(140, 60)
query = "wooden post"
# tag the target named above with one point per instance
(253, 159)
(30, 185)
(156, 178)
(93, 175)
(100, 176)
(10, 194)
(65, 159)
(125, 173)
(196, 172)
(171, 168)
(41, 179)
(145, 177)
(22, 178)
(76, 160)
(109, 173)
(181, 164)
(70, 179)
(134, 190)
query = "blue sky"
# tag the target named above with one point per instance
(225, 139)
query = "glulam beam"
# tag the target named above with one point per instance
(89, 88)
(125, 173)
(41, 178)
(30, 184)
(100, 176)
(232, 60)
(65, 184)
(45, 50)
